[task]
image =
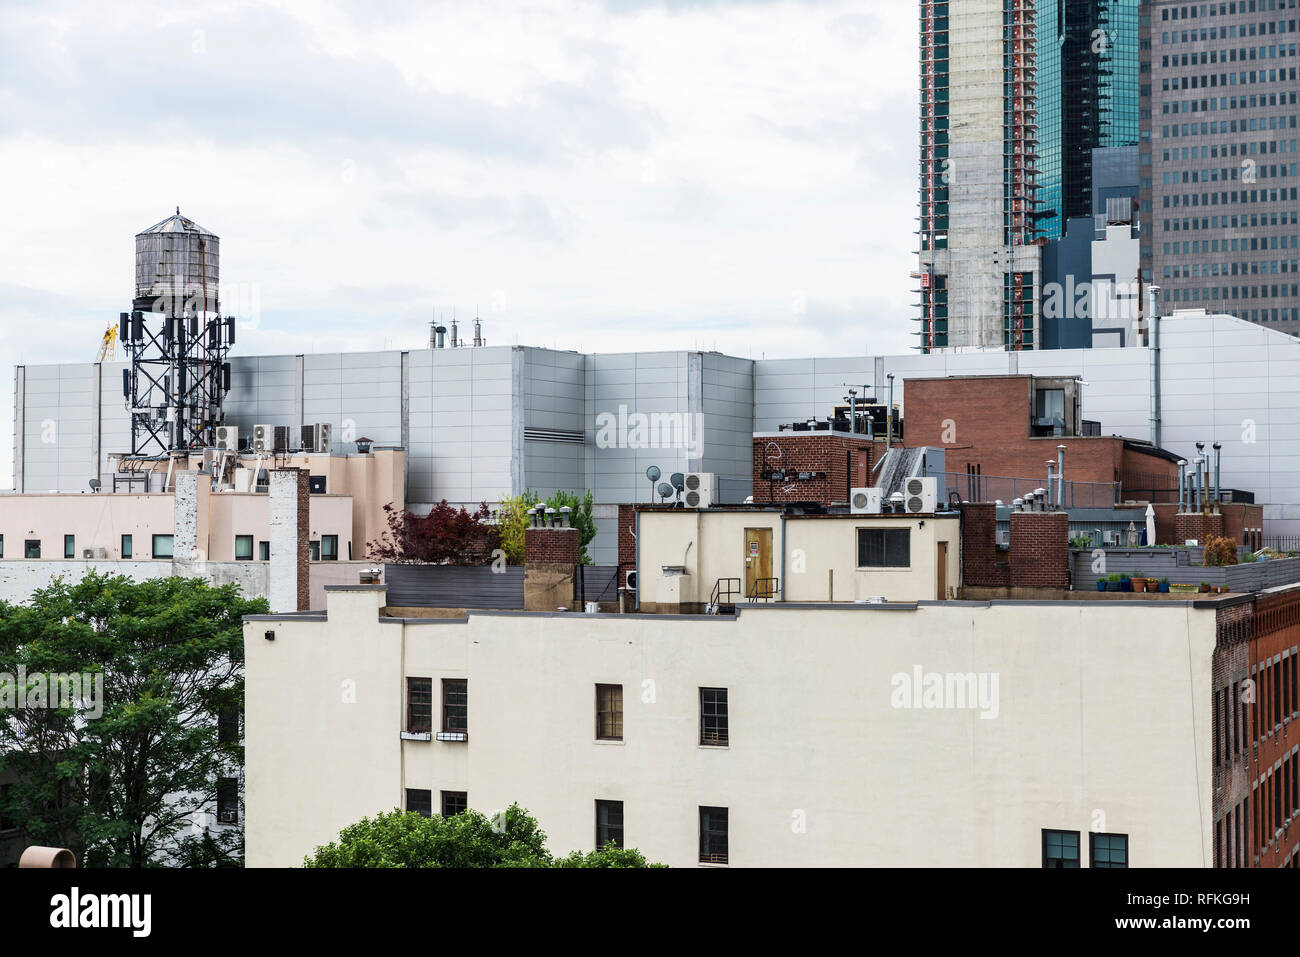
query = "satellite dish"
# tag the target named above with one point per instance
(653, 473)
(678, 480)
(665, 490)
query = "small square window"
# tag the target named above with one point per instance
(126, 546)
(69, 546)
(609, 712)
(263, 551)
(227, 800)
(32, 548)
(713, 835)
(884, 548)
(329, 548)
(453, 802)
(609, 824)
(162, 546)
(419, 801)
(243, 548)
(1108, 850)
(1060, 848)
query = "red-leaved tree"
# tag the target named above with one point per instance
(447, 535)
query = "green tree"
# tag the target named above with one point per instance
(469, 839)
(580, 517)
(120, 787)
(512, 520)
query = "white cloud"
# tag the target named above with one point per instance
(611, 176)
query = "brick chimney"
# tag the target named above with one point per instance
(290, 532)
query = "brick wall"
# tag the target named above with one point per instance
(290, 534)
(1274, 638)
(979, 552)
(626, 536)
(1040, 555)
(1237, 519)
(1230, 746)
(843, 461)
(556, 546)
(1196, 525)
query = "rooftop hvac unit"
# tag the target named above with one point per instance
(228, 438)
(629, 580)
(701, 489)
(920, 494)
(262, 438)
(864, 501)
(282, 439)
(318, 437)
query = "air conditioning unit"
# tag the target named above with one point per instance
(97, 551)
(228, 438)
(864, 501)
(629, 580)
(920, 494)
(281, 441)
(701, 489)
(318, 437)
(228, 817)
(263, 438)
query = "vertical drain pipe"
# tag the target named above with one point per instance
(889, 415)
(1154, 325)
(1182, 485)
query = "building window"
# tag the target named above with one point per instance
(455, 704)
(329, 548)
(453, 802)
(2, 546)
(884, 547)
(609, 712)
(243, 548)
(713, 716)
(126, 546)
(419, 705)
(1060, 848)
(227, 800)
(315, 550)
(32, 548)
(1108, 850)
(162, 546)
(713, 835)
(263, 551)
(419, 802)
(69, 546)
(609, 824)
(228, 724)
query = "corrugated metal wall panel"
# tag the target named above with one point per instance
(454, 586)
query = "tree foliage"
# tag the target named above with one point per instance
(469, 839)
(447, 535)
(1220, 550)
(512, 520)
(120, 788)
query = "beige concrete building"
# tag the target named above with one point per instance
(911, 734)
(686, 558)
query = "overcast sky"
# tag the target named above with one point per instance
(592, 176)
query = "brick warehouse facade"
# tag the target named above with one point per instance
(983, 422)
(551, 546)
(816, 467)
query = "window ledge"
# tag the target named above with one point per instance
(713, 747)
(417, 735)
(617, 741)
(712, 864)
(452, 735)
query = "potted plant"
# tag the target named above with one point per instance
(1125, 582)
(1101, 583)
(1140, 581)
(1163, 586)
(1112, 582)
(1205, 586)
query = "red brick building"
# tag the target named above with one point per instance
(810, 466)
(1011, 426)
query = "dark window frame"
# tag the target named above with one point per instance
(715, 724)
(126, 546)
(314, 550)
(714, 840)
(609, 829)
(228, 724)
(69, 546)
(419, 705)
(609, 720)
(1110, 863)
(171, 546)
(328, 555)
(419, 801)
(451, 709)
(32, 548)
(227, 800)
(887, 554)
(240, 539)
(1051, 862)
(453, 802)
(263, 551)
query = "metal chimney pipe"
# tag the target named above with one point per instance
(853, 411)
(1154, 326)
(889, 415)
(1182, 484)
(1060, 476)
(1217, 488)
(1197, 462)
(1051, 464)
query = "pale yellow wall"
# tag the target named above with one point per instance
(814, 545)
(1103, 720)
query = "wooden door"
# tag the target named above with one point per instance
(758, 559)
(941, 569)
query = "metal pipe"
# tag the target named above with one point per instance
(1217, 488)
(853, 411)
(1060, 476)
(1051, 464)
(1154, 325)
(1182, 484)
(1197, 462)
(889, 415)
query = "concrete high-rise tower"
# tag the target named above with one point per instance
(979, 259)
